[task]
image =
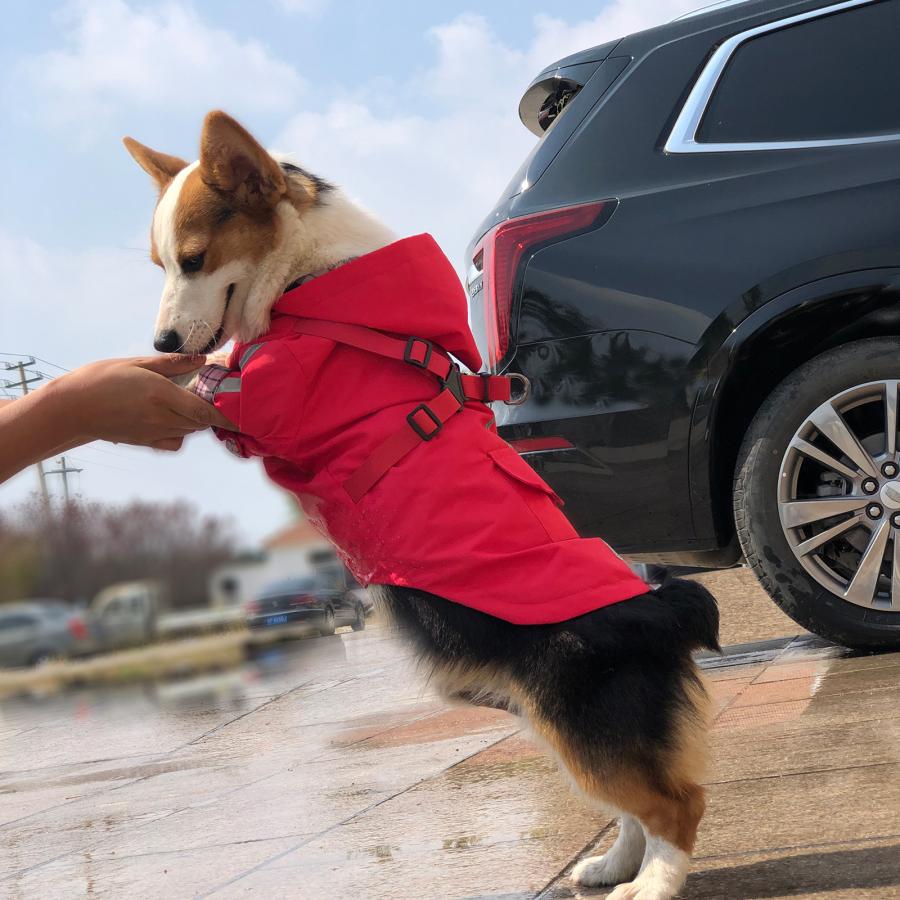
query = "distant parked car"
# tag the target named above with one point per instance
(126, 614)
(335, 573)
(36, 631)
(316, 600)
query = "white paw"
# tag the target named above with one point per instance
(662, 876)
(636, 891)
(611, 868)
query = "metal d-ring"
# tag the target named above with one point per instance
(526, 390)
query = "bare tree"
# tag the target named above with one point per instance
(74, 551)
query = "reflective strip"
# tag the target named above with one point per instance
(245, 358)
(229, 386)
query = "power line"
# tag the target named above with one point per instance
(93, 462)
(46, 362)
(93, 446)
(64, 470)
(21, 366)
(49, 377)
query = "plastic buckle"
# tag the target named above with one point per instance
(410, 347)
(418, 429)
(453, 383)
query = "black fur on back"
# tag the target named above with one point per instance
(614, 681)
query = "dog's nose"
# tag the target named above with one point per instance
(167, 341)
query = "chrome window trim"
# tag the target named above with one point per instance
(683, 137)
(710, 7)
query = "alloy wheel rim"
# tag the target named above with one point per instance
(839, 496)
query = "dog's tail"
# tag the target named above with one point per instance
(696, 613)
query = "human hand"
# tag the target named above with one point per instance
(132, 401)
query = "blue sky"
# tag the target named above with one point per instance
(410, 106)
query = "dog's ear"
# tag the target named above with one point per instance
(161, 167)
(232, 161)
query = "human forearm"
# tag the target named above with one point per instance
(33, 428)
(130, 401)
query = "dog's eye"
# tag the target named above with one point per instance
(192, 263)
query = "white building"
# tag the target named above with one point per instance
(286, 554)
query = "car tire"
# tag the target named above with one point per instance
(812, 581)
(359, 623)
(328, 622)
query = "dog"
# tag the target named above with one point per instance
(613, 691)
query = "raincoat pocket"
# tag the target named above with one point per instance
(540, 497)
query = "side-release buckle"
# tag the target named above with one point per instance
(410, 355)
(418, 429)
(454, 383)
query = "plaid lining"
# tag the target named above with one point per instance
(209, 380)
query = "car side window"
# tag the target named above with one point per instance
(8, 623)
(830, 77)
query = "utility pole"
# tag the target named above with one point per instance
(23, 383)
(64, 470)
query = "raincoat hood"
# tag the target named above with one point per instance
(429, 301)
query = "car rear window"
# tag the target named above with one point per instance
(289, 589)
(827, 78)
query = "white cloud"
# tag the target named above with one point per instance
(556, 38)
(439, 165)
(303, 7)
(164, 58)
(72, 308)
(429, 154)
(75, 306)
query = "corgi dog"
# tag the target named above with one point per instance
(614, 692)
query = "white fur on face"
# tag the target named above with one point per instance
(193, 305)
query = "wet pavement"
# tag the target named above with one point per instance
(326, 768)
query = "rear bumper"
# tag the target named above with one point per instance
(312, 617)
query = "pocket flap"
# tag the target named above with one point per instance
(510, 462)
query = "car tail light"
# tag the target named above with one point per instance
(501, 251)
(302, 601)
(251, 608)
(77, 628)
(541, 444)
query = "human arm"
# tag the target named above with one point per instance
(121, 400)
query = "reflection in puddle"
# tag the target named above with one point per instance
(464, 842)
(266, 672)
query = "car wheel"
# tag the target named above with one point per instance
(359, 623)
(817, 495)
(328, 623)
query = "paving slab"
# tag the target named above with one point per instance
(329, 768)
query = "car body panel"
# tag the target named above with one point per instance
(34, 630)
(645, 307)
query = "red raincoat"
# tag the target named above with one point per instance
(461, 515)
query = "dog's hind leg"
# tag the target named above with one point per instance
(651, 776)
(668, 820)
(621, 862)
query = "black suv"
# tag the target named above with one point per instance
(698, 269)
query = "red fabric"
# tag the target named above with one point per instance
(463, 515)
